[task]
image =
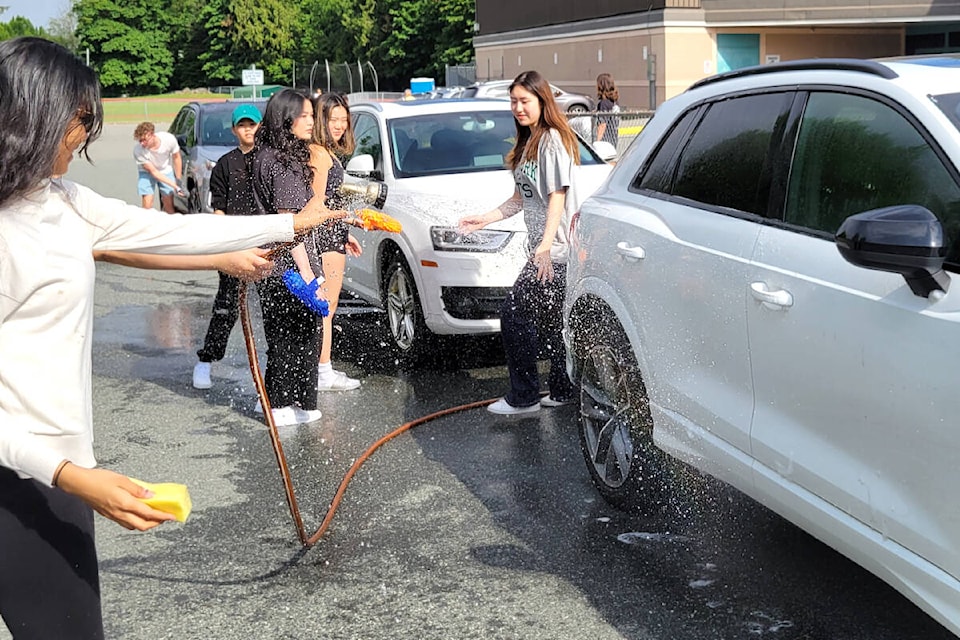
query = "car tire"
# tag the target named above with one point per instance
(577, 108)
(409, 335)
(616, 428)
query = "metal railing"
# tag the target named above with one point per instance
(629, 124)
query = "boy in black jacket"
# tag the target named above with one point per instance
(231, 193)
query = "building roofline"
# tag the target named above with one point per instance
(654, 19)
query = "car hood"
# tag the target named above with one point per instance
(444, 200)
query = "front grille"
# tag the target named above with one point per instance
(473, 303)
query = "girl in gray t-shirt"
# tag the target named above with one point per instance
(543, 161)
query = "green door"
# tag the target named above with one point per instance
(737, 50)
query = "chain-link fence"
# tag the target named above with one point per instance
(619, 128)
(460, 75)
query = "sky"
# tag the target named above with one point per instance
(39, 12)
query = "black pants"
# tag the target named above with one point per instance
(293, 346)
(225, 314)
(531, 320)
(49, 580)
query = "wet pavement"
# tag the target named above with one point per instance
(469, 526)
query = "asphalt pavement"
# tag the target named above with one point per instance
(469, 526)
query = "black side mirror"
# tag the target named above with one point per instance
(904, 239)
(182, 140)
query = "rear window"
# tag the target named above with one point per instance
(450, 143)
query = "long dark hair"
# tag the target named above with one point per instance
(550, 118)
(322, 106)
(276, 132)
(43, 86)
(606, 88)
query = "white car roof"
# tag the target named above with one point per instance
(922, 75)
(403, 109)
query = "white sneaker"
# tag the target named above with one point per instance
(504, 408)
(338, 381)
(201, 376)
(285, 416)
(548, 401)
(307, 415)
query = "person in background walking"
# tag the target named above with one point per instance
(543, 161)
(159, 165)
(231, 193)
(608, 126)
(50, 228)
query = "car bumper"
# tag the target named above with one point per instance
(464, 291)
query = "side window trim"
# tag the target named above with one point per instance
(690, 127)
(783, 158)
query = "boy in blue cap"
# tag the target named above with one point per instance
(231, 193)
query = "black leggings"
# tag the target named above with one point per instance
(293, 346)
(49, 580)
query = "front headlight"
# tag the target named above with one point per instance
(484, 240)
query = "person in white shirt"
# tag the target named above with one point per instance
(49, 230)
(159, 165)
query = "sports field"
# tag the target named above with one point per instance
(158, 109)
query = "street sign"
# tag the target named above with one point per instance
(252, 76)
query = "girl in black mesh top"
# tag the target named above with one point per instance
(332, 140)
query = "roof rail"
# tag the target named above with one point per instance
(814, 64)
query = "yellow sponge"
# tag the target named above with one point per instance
(170, 497)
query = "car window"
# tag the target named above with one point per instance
(366, 131)
(727, 162)
(854, 154)
(657, 175)
(215, 128)
(176, 127)
(451, 142)
(448, 143)
(187, 128)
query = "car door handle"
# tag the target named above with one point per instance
(633, 254)
(780, 299)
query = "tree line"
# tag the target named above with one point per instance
(142, 47)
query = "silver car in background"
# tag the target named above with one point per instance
(204, 131)
(569, 102)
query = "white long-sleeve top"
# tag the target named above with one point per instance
(46, 307)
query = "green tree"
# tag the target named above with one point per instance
(245, 32)
(189, 39)
(19, 26)
(404, 52)
(129, 43)
(63, 29)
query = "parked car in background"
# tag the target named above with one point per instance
(763, 290)
(571, 102)
(204, 131)
(441, 160)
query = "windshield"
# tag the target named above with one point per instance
(447, 143)
(215, 126)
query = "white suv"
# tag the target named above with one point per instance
(763, 290)
(441, 160)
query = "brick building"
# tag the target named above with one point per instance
(677, 42)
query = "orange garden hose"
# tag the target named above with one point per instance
(278, 447)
